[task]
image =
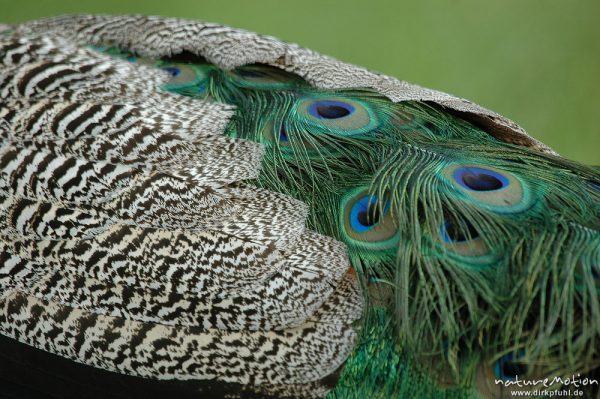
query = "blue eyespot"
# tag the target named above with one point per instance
(480, 179)
(330, 109)
(368, 221)
(283, 136)
(488, 187)
(174, 71)
(507, 368)
(337, 116)
(451, 233)
(365, 214)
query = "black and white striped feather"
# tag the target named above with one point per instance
(130, 241)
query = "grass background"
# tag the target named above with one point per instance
(534, 61)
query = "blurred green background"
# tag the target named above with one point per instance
(534, 61)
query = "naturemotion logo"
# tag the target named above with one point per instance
(563, 387)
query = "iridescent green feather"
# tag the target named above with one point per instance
(327, 170)
(479, 249)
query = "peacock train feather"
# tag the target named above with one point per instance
(195, 210)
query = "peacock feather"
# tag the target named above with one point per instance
(157, 178)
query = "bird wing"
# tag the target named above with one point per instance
(131, 241)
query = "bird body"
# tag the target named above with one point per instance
(195, 208)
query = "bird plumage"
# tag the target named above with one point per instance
(156, 178)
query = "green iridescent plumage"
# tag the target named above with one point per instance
(472, 249)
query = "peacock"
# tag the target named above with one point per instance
(191, 210)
